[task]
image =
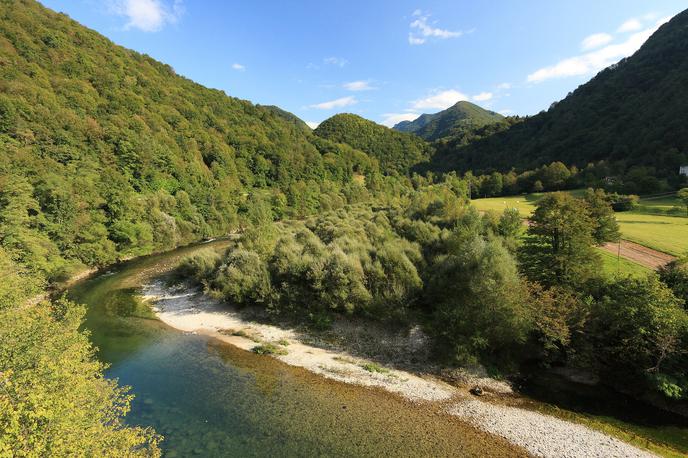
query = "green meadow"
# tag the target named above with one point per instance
(657, 223)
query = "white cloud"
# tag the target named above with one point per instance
(147, 15)
(337, 103)
(483, 96)
(504, 86)
(338, 61)
(312, 124)
(238, 67)
(390, 119)
(421, 30)
(595, 41)
(358, 86)
(413, 40)
(596, 60)
(630, 25)
(439, 100)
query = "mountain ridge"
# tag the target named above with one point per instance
(111, 154)
(458, 119)
(622, 116)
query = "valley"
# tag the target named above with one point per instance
(400, 267)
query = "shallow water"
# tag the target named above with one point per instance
(211, 399)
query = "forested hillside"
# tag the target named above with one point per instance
(107, 153)
(396, 151)
(456, 121)
(631, 114)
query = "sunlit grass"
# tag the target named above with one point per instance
(663, 233)
(668, 234)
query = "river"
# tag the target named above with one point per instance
(211, 399)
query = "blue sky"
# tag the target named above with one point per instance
(384, 60)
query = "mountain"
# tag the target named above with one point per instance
(287, 116)
(456, 120)
(106, 153)
(396, 151)
(632, 113)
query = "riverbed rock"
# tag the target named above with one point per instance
(477, 391)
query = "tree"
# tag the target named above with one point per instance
(510, 223)
(492, 185)
(559, 316)
(683, 195)
(559, 248)
(602, 214)
(480, 300)
(554, 176)
(675, 276)
(639, 333)
(242, 278)
(54, 399)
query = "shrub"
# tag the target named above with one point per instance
(624, 203)
(269, 349)
(374, 367)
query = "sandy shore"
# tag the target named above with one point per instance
(542, 435)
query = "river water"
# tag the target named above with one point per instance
(211, 399)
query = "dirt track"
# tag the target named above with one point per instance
(642, 255)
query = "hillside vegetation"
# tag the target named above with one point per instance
(456, 121)
(108, 153)
(396, 151)
(631, 115)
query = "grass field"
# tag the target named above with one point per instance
(662, 233)
(649, 225)
(667, 205)
(524, 202)
(622, 267)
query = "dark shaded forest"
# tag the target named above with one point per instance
(631, 115)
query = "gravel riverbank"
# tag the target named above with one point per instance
(541, 435)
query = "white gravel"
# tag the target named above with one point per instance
(191, 311)
(543, 435)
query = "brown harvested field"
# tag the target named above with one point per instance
(642, 255)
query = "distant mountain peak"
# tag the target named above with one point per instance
(455, 120)
(633, 113)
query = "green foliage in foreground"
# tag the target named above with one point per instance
(633, 332)
(640, 331)
(433, 256)
(675, 275)
(54, 400)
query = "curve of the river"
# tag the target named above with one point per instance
(210, 399)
